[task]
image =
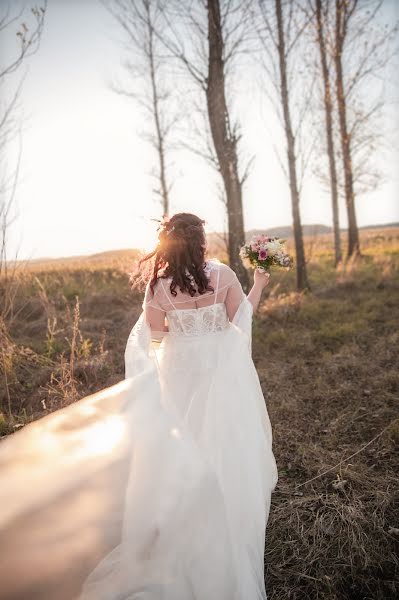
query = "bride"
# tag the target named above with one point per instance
(156, 488)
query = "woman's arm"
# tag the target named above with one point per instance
(261, 280)
(235, 293)
(154, 314)
(156, 320)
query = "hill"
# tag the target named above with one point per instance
(216, 247)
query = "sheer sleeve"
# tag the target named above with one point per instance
(154, 313)
(234, 296)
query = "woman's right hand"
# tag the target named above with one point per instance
(261, 278)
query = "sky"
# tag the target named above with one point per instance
(85, 183)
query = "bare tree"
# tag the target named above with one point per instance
(280, 30)
(361, 48)
(321, 9)
(302, 279)
(343, 12)
(140, 19)
(224, 138)
(355, 48)
(204, 38)
(28, 31)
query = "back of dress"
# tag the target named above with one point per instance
(196, 315)
(209, 380)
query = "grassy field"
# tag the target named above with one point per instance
(328, 365)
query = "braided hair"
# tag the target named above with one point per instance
(180, 254)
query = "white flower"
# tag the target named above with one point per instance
(273, 248)
(243, 252)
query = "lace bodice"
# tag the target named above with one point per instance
(182, 314)
(197, 321)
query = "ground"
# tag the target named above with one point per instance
(328, 365)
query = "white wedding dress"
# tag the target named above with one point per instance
(157, 488)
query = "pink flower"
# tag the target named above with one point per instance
(262, 254)
(258, 242)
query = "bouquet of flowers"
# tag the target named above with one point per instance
(263, 252)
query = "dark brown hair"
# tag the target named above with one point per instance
(180, 253)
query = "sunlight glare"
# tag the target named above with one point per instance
(145, 234)
(104, 437)
(175, 432)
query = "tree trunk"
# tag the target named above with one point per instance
(159, 135)
(353, 233)
(301, 272)
(328, 108)
(224, 141)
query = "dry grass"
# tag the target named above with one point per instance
(328, 364)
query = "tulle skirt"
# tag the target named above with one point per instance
(157, 488)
